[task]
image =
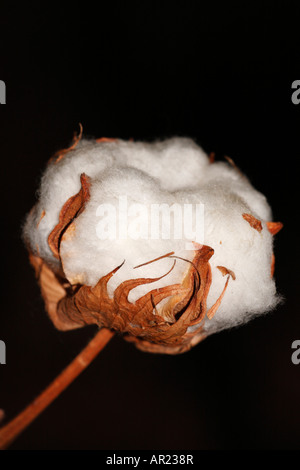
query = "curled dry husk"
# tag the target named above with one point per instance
(173, 328)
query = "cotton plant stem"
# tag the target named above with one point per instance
(11, 431)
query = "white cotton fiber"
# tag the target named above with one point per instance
(173, 171)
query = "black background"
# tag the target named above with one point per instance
(220, 73)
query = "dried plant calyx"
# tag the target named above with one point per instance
(70, 210)
(71, 307)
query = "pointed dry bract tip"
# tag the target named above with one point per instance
(253, 222)
(274, 227)
(70, 210)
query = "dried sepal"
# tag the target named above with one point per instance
(53, 289)
(274, 227)
(272, 265)
(70, 210)
(234, 165)
(253, 222)
(105, 139)
(211, 312)
(43, 213)
(225, 271)
(212, 157)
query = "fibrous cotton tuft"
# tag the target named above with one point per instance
(131, 181)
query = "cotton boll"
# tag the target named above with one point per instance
(126, 180)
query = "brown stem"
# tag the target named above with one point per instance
(10, 431)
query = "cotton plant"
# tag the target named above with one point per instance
(155, 241)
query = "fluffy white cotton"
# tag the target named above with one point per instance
(174, 171)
